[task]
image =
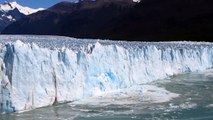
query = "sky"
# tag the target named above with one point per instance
(37, 3)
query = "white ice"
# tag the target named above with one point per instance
(131, 95)
(38, 71)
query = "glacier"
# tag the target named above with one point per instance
(38, 71)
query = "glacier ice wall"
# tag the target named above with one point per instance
(34, 75)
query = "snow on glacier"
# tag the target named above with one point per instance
(39, 71)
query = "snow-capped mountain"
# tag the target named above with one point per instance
(8, 6)
(12, 11)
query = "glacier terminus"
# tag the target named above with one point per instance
(38, 71)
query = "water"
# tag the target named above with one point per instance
(195, 101)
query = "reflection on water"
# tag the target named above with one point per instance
(195, 101)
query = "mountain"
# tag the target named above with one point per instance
(167, 20)
(122, 19)
(52, 20)
(12, 11)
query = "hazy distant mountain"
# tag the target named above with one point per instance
(123, 19)
(12, 11)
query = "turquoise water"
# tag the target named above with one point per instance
(195, 101)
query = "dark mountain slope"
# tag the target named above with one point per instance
(93, 23)
(42, 22)
(55, 20)
(9, 17)
(120, 19)
(168, 20)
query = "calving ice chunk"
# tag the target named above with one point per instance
(38, 71)
(137, 1)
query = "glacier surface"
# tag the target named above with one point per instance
(39, 71)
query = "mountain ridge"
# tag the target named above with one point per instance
(150, 20)
(8, 6)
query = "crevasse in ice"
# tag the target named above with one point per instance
(38, 71)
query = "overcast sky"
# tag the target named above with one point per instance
(37, 3)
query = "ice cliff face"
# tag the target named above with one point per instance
(35, 73)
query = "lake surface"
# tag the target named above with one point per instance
(189, 96)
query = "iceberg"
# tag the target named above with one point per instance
(38, 71)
